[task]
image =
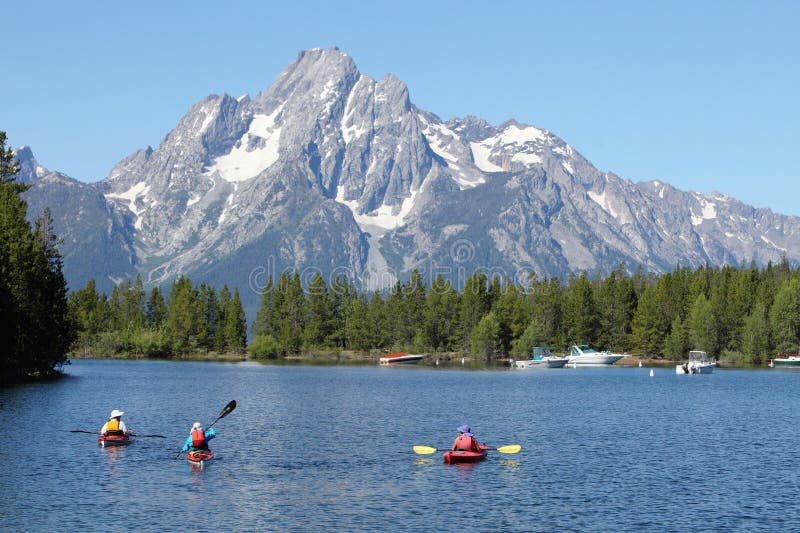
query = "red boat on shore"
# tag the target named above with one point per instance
(400, 358)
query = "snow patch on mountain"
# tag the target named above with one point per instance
(255, 152)
(603, 202)
(131, 196)
(480, 153)
(766, 240)
(709, 211)
(513, 134)
(439, 137)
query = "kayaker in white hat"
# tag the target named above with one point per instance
(198, 438)
(114, 426)
(465, 440)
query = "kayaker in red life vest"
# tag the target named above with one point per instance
(465, 440)
(114, 426)
(198, 439)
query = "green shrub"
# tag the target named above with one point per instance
(151, 343)
(264, 347)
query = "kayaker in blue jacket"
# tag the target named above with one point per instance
(198, 439)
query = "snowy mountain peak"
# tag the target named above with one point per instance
(329, 170)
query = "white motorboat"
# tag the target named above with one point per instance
(542, 358)
(698, 363)
(791, 360)
(582, 354)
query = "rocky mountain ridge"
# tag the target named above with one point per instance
(331, 171)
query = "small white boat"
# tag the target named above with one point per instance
(698, 363)
(401, 358)
(542, 358)
(785, 360)
(582, 354)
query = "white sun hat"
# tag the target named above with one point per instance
(115, 413)
(197, 426)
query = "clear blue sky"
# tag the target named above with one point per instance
(704, 95)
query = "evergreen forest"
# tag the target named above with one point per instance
(35, 325)
(743, 315)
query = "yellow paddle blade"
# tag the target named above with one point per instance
(424, 450)
(511, 448)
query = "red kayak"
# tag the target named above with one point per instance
(460, 456)
(114, 440)
(199, 457)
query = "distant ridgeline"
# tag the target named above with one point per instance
(743, 314)
(35, 325)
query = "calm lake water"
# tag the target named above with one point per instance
(604, 449)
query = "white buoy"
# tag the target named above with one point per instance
(640, 364)
(437, 362)
(463, 360)
(651, 372)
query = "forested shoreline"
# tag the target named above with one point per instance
(742, 314)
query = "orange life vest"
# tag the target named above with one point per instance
(464, 442)
(112, 427)
(198, 439)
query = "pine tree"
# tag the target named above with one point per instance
(183, 316)
(235, 325)
(755, 335)
(581, 312)
(474, 304)
(86, 308)
(155, 309)
(320, 309)
(357, 326)
(209, 318)
(412, 314)
(223, 304)
(377, 317)
(289, 313)
(677, 345)
(485, 338)
(441, 316)
(265, 318)
(506, 307)
(702, 326)
(341, 292)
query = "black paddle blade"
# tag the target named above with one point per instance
(225, 412)
(228, 408)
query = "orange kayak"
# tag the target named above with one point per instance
(199, 457)
(460, 456)
(114, 440)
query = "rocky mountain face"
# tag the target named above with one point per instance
(329, 170)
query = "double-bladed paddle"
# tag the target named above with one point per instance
(131, 434)
(225, 412)
(427, 450)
